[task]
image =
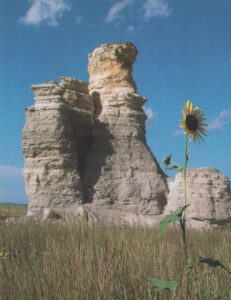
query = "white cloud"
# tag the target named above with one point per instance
(78, 20)
(130, 28)
(218, 122)
(156, 8)
(177, 132)
(48, 11)
(116, 9)
(133, 29)
(151, 115)
(149, 112)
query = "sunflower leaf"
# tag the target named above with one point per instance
(173, 168)
(164, 223)
(168, 161)
(189, 265)
(176, 215)
(162, 284)
(179, 211)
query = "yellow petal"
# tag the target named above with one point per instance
(198, 134)
(198, 113)
(202, 130)
(201, 114)
(187, 107)
(202, 119)
(194, 138)
(190, 133)
(184, 115)
(198, 139)
(191, 108)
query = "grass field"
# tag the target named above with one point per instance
(64, 261)
(12, 210)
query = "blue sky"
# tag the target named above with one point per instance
(184, 53)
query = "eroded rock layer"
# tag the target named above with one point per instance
(120, 170)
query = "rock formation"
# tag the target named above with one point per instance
(208, 192)
(86, 154)
(120, 170)
(55, 139)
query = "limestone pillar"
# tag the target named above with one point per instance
(120, 170)
(53, 144)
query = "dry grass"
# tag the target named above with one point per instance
(11, 210)
(53, 261)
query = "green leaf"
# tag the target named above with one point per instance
(162, 284)
(167, 160)
(164, 223)
(189, 265)
(174, 216)
(174, 168)
(179, 211)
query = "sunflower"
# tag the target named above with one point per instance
(192, 122)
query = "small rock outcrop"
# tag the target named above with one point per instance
(209, 196)
(86, 155)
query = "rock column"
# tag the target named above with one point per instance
(120, 171)
(53, 145)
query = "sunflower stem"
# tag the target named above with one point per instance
(184, 214)
(184, 169)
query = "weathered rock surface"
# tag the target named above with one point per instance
(120, 170)
(86, 156)
(55, 139)
(208, 192)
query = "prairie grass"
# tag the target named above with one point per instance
(12, 210)
(66, 261)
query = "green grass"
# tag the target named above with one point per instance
(63, 261)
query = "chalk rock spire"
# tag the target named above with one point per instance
(120, 170)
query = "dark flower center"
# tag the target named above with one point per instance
(191, 122)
